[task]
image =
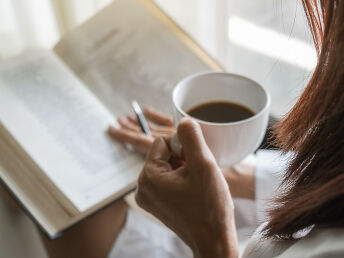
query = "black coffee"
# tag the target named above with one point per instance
(220, 112)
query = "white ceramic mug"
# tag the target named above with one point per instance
(229, 142)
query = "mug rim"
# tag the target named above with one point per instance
(255, 116)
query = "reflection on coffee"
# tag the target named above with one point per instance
(220, 112)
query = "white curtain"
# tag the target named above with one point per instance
(32, 23)
(27, 23)
(266, 40)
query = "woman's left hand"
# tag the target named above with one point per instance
(161, 125)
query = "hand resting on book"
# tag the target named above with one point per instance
(161, 125)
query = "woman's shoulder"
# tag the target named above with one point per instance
(324, 242)
(319, 242)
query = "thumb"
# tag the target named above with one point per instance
(191, 138)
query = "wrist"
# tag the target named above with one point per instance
(219, 245)
(241, 181)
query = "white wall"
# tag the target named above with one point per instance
(266, 40)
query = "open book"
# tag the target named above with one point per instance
(55, 107)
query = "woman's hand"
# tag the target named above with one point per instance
(240, 177)
(193, 199)
(161, 125)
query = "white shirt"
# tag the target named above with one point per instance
(327, 243)
(142, 237)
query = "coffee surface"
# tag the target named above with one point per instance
(220, 112)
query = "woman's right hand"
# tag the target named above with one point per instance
(192, 199)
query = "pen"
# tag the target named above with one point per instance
(141, 118)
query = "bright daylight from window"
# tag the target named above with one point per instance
(270, 47)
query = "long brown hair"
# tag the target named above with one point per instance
(313, 130)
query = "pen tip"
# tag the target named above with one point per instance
(136, 107)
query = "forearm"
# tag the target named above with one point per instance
(92, 238)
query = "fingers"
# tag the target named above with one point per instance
(157, 130)
(159, 151)
(156, 164)
(130, 132)
(191, 138)
(127, 124)
(157, 173)
(158, 117)
(140, 142)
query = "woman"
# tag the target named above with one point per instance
(194, 198)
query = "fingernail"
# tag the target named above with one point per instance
(132, 117)
(187, 119)
(111, 129)
(122, 119)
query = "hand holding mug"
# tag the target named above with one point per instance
(193, 199)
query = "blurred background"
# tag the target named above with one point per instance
(267, 41)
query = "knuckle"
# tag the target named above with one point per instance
(141, 199)
(208, 163)
(142, 179)
(135, 140)
(145, 180)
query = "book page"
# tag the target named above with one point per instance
(62, 126)
(126, 52)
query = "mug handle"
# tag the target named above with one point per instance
(175, 145)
